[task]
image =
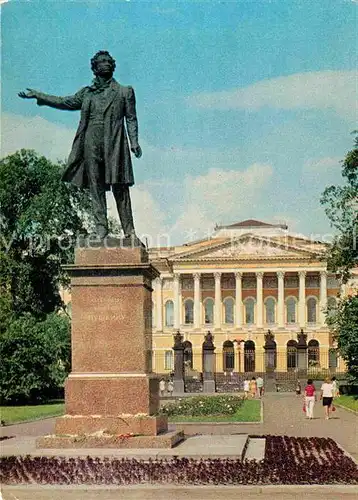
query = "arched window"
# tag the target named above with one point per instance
(291, 355)
(313, 353)
(312, 310)
(168, 360)
(229, 310)
(291, 310)
(188, 354)
(189, 312)
(271, 356)
(228, 356)
(249, 311)
(169, 313)
(209, 311)
(270, 304)
(331, 306)
(249, 356)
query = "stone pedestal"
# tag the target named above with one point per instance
(111, 390)
(208, 364)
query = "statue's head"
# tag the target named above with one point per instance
(103, 62)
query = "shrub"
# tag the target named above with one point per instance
(203, 405)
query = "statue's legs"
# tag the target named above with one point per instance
(94, 161)
(124, 207)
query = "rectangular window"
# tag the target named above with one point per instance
(168, 360)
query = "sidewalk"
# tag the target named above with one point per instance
(282, 415)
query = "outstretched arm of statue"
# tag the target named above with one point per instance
(70, 103)
(132, 123)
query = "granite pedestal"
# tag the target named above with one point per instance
(111, 391)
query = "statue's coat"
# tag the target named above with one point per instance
(117, 158)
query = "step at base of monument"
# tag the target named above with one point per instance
(255, 449)
(144, 425)
(167, 439)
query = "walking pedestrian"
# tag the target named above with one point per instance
(336, 393)
(309, 398)
(246, 388)
(327, 396)
(253, 387)
(260, 386)
(162, 387)
(170, 387)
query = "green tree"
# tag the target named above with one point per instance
(34, 357)
(40, 216)
(341, 207)
(344, 324)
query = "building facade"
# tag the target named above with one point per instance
(251, 281)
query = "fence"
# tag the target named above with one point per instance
(280, 370)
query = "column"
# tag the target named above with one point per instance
(238, 300)
(259, 299)
(302, 299)
(197, 300)
(281, 299)
(177, 301)
(159, 303)
(217, 311)
(323, 298)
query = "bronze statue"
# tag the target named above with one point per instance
(100, 156)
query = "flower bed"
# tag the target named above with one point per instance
(288, 460)
(203, 406)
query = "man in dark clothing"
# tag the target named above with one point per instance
(100, 156)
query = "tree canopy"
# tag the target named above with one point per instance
(341, 207)
(40, 216)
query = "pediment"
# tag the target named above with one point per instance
(246, 247)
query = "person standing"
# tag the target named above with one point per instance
(260, 386)
(335, 388)
(246, 388)
(253, 387)
(170, 387)
(327, 396)
(309, 398)
(162, 387)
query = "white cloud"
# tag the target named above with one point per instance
(322, 165)
(335, 90)
(49, 139)
(220, 195)
(322, 171)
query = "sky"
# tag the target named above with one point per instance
(245, 108)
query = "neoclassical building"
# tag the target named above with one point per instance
(248, 278)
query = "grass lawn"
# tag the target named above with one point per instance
(350, 402)
(248, 412)
(15, 414)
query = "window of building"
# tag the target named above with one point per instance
(312, 310)
(229, 310)
(313, 353)
(188, 354)
(189, 312)
(228, 356)
(250, 311)
(270, 305)
(249, 356)
(331, 306)
(291, 355)
(169, 313)
(168, 360)
(209, 311)
(291, 310)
